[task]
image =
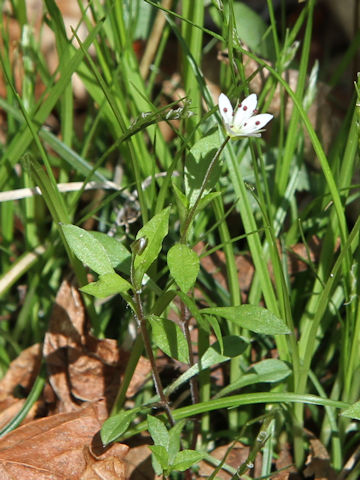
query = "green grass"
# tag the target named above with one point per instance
(255, 205)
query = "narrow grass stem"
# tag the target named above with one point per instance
(353, 361)
(280, 282)
(136, 351)
(235, 296)
(29, 403)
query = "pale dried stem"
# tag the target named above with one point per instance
(154, 40)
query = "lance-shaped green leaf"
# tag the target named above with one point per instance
(169, 337)
(254, 318)
(233, 346)
(158, 431)
(207, 199)
(154, 231)
(353, 411)
(160, 436)
(174, 440)
(184, 266)
(118, 254)
(186, 459)
(197, 163)
(114, 427)
(270, 370)
(87, 249)
(160, 460)
(107, 284)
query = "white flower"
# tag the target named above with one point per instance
(243, 123)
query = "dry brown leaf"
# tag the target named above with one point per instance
(104, 463)
(140, 376)
(52, 447)
(138, 463)
(81, 367)
(107, 469)
(14, 405)
(235, 459)
(318, 462)
(9, 408)
(215, 265)
(71, 15)
(66, 330)
(285, 463)
(22, 371)
(84, 367)
(299, 252)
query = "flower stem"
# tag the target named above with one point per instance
(192, 211)
(185, 321)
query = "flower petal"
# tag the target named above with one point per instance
(245, 110)
(256, 123)
(226, 109)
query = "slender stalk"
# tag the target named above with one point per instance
(234, 288)
(141, 321)
(154, 40)
(185, 318)
(192, 211)
(194, 388)
(185, 324)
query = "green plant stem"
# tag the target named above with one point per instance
(190, 216)
(233, 281)
(145, 335)
(236, 401)
(282, 171)
(332, 421)
(194, 388)
(141, 321)
(188, 221)
(185, 318)
(260, 441)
